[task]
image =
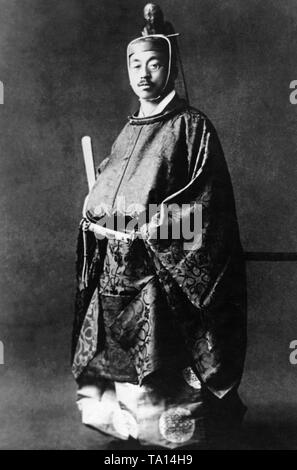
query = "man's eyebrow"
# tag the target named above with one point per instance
(155, 57)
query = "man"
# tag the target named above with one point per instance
(160, 326)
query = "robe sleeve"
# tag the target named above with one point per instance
(95, 255)
(207, 274)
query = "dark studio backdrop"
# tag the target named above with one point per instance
(63, 66)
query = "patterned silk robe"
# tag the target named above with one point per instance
(157, 305)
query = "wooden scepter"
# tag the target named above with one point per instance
(98, 230)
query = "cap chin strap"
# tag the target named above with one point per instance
(169, 59)
(152, 99)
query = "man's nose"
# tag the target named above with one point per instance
(144, 73)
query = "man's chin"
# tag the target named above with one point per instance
(148, 96)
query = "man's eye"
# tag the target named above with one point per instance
(155, 66)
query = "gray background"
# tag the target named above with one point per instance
(63, 67)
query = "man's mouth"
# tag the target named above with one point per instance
(144, 85)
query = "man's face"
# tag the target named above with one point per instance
(148, 73)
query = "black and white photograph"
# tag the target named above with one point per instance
(148, 303)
